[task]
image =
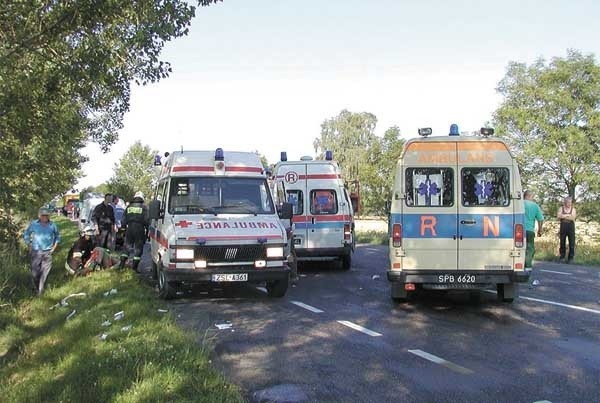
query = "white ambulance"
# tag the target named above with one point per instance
(213, 221)
(323, 218)
(457, 216)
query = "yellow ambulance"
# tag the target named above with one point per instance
(456, 216)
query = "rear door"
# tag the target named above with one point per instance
(485, 209)
(293, 177)
(325, 220)
(429, 219)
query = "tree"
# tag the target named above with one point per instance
(66, 67)
(362, 155)
(134, 172)
(550, 116)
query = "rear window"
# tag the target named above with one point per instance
(296, 199)
(429, 187)
(323, 201)
(485, 187)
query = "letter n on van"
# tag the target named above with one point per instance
(489, 226)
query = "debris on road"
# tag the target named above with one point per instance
(536, 282)
(375, 277)
(223, 326)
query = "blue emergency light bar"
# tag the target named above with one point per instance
(157, 160)
(283, 156)
(328, 155)
(219, 155)
(454, 130)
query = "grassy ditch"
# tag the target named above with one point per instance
(145, 356)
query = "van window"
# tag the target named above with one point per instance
(429, 187)
(323, 201)
(296, 199)
(210, 195)
(488, 186)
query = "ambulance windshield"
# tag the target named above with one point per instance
(224, 195)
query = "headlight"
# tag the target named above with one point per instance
(184, 254)
(275, 252)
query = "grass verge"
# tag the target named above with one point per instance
(372, 237)
(144, 357)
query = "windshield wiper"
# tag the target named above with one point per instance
(238, 209)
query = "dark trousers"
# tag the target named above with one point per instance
(530, 248)
(41, 264)
(567, 230)
(135, 237)
(106, 239)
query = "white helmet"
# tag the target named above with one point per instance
(138, 194)
(88, 230)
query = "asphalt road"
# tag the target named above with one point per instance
(338, 337)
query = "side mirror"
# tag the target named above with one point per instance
(287, 211)
(388, 206)
(154, 210)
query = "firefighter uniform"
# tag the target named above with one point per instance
(136, 222)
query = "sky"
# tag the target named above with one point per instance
(264, 75)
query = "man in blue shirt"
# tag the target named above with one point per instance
(42, 238)
(533, 213)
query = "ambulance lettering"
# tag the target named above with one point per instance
(428, 222)
(237, 225)
(489, 226)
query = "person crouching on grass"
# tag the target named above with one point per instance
(42, 239)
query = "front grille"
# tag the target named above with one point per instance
(242, 253)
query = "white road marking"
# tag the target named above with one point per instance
(262, 289)
(359, 328)
(307, 307)
(543, 401)
(556, 272)
(441, 361)
(579, 308)
(544, 301)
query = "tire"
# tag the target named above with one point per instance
(166, 290)
(277, 289)
(346, 261)
(154, 270)
(399, 294)
(507, 292)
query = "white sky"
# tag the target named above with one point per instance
(263, 75)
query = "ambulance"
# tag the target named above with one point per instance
(323, 218)
(213, 221)
(457, 216)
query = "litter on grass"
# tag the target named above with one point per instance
(126, 328)
(69, 316)
(163, 310)
(103, 336)
(112, 291)
(119, 315)
(106, 323)
(64, 302)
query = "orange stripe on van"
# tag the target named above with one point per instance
(482, 146)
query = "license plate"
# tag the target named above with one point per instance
(457, 278)
(297, 241)
(219, 278)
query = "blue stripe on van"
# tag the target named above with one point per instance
(448, 225)
(320, 225)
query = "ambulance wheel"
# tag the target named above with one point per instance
(277, 289)
(154, 270)
(399, 294)
(507, 292)
(346, 261)
(166, 290)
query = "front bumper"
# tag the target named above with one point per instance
(194, 276)
(441, 279)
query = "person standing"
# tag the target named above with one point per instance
(533, 213)
(566, 215)
(42, 239)
(136, 222)
(104, 221)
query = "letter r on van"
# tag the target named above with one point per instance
(488, 226)
(428, 222)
